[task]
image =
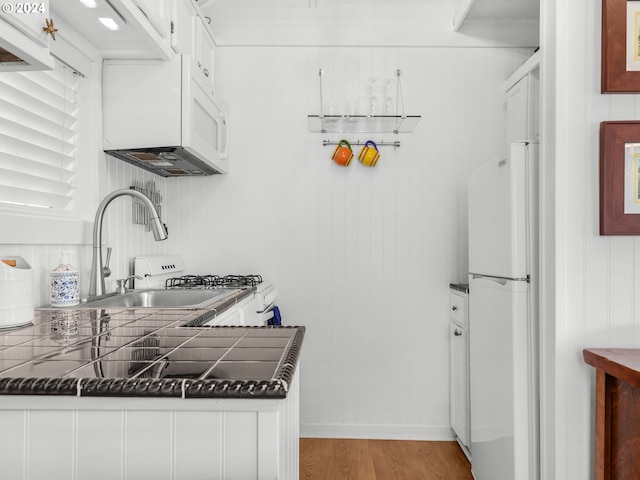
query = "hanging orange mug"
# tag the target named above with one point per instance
(369, 155)
(343, 153)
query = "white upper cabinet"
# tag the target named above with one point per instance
(204, 55)
(158, 13)
(523, 103)
(183, 15)
(191, 36)
(518, 112)
(24, 44)
(29, 18)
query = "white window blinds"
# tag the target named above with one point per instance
(38, 117)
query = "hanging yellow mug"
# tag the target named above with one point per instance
(369, 155)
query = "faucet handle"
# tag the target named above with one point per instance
(121, 283)
(106, 269)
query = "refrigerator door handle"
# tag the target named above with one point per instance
(500, 280)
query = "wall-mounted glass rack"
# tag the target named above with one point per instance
(375, 123)
(363, 123)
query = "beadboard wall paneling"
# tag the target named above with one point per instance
(361, 256)
(127, 239)
(597, 277)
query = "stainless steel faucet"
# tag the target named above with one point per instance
(96, 283)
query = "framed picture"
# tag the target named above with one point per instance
(620, 46)
(620, 178)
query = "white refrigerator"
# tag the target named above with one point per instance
(503, 318)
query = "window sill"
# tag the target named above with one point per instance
(22, 229)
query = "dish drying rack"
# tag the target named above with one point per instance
(140, 213)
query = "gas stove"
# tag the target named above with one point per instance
(167, 271)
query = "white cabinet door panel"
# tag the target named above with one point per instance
(145, 429)
(100, 456)
(199, 435)
(459, 383)
(46, 459)
(517, 112)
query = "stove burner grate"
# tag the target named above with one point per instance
(212, 281)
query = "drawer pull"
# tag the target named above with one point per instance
(457, 332)
(454, 308)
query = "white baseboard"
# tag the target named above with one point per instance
(377, 432)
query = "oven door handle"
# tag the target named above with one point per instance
(269, 308)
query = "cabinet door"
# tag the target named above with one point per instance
(158, 13)
(534, 105)
(458, 308)
(518, 112)
(182, 18)
(204, 55)
(459, 382)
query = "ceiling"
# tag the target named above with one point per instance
(375, 22)
(504, 10)
(127, 40)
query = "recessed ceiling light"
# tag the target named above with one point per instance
(109, 22)
(89, 3)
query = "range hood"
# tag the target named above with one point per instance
(158, 117)
(165, 161)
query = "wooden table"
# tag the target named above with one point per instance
(617, 453)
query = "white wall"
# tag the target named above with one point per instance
(362, 257)
(596, 277)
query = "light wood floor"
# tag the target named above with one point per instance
(341, 459)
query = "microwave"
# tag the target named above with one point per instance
(157, 116)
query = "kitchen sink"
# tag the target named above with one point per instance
(161, 298)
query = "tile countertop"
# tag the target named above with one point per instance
(146, 353)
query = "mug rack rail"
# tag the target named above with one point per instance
(394, 144)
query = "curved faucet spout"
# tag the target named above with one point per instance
(96, 283)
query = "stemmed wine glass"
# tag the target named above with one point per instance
(387, 106)
(372, 88)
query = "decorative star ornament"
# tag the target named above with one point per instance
(50, 28)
